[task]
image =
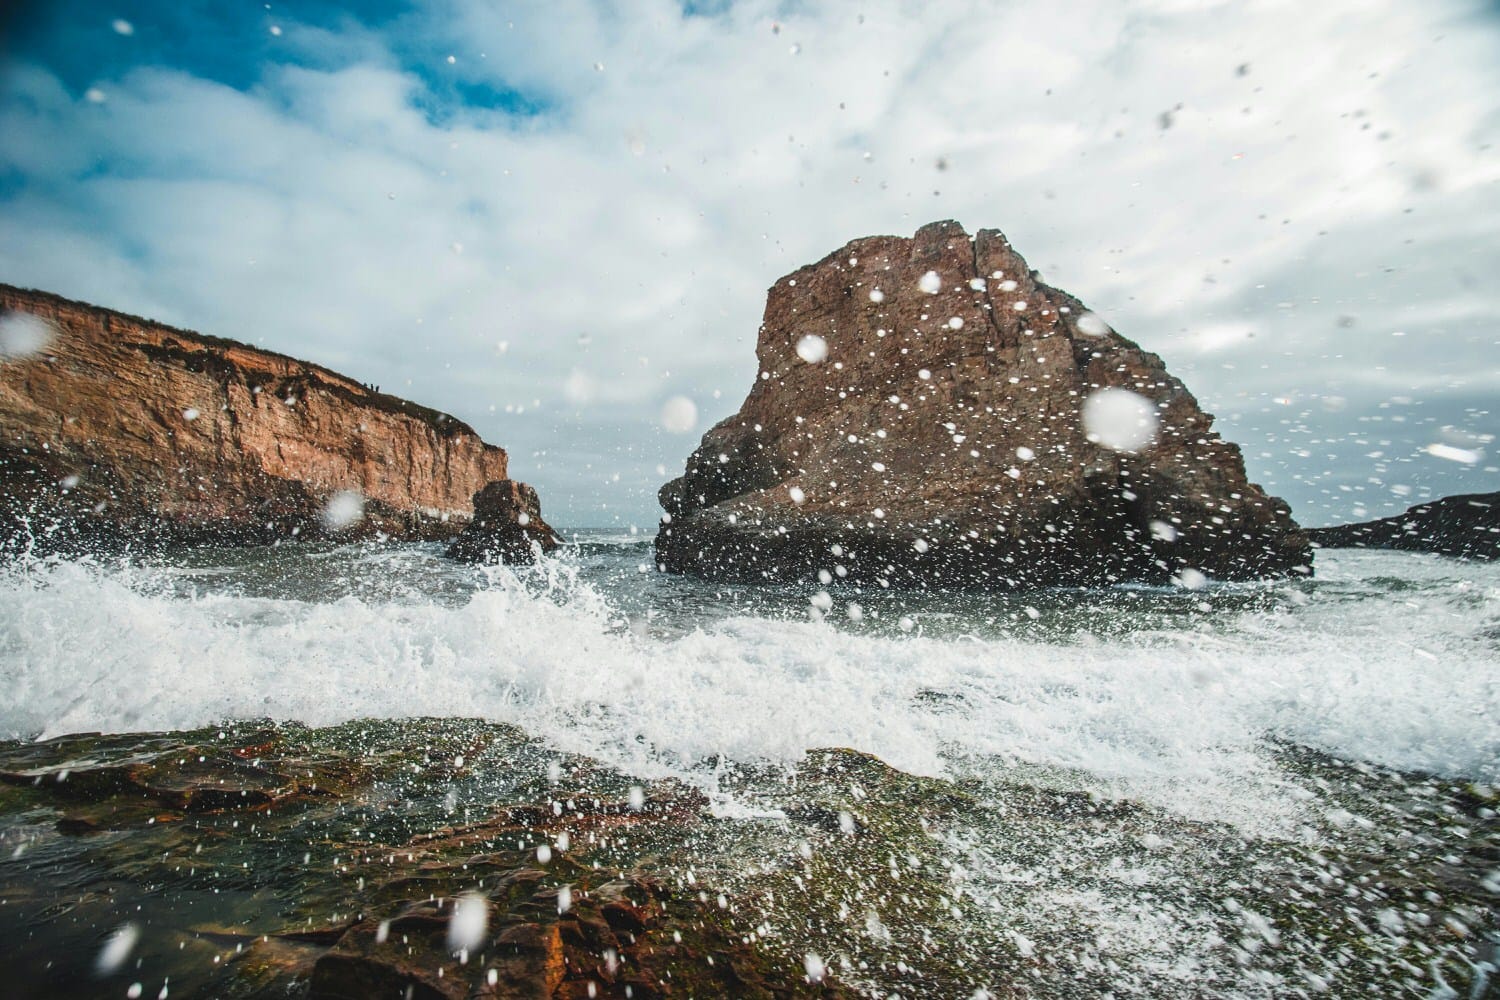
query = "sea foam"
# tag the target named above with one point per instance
(1392, 658)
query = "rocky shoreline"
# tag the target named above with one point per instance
(1466, 526)
(459, 859)
(929, 413)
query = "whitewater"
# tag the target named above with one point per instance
(1171, 696)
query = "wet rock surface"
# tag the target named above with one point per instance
(1467, 526)
(121, 431)
(507, 527)
(922, 416)
(452, 858)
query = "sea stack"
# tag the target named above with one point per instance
(507, 527)
(928, 412)
(116, 429)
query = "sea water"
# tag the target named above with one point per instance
(1199, 703)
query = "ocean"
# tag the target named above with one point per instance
(1231, 742)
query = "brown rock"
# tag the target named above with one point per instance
(507, 526)
(941, 440)
(191, 437)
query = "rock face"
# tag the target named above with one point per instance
(507, 526)
(942, 440)
(1467, 526)
(127, 427)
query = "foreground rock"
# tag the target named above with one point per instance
(1466, 526)
(918, 418)
(115, 427)
(507, 527)
(453, 858)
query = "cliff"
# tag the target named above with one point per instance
(928, 411)
(1466, 526)
(118, 426)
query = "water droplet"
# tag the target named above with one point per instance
(930, 283)
(22, 334)
(679, 415)
(1091, 325)
(471, 916)
(812, 348)
(1468, 456)
(1119, 420)
(1190, 579)
(344, 509)
(117, 948)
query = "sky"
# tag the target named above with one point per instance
(552, 218)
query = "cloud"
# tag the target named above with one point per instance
(608, 190)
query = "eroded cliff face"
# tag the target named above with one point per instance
(125, 425)
(941, 440)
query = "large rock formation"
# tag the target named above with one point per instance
(116, 426)
(941, 439)
(1466, 526)
(507, 527)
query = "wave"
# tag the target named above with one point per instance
(1406, 676)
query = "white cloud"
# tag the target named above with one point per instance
(624, 237)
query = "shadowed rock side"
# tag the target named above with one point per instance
(507, 527)
(121, 428)
(940, 440)
(1467, 526)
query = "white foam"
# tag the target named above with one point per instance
(1180, 718)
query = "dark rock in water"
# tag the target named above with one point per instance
(117, 430)
(929, 412)
(507, 526)
(1467, 526)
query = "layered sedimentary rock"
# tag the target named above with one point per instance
(918, 418)
(507, 527)
(1466, 526)
(128, 427)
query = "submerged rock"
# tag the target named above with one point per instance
(455, 858)
(1467, 526)
(507, 526)
(929, 412)
(120, 429)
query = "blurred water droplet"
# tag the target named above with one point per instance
(679, 415)
(812, 348)
(471, 916)
(344, 509)
(117, 948)
(22, 334)
(1091, 325)
(1119, 420)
